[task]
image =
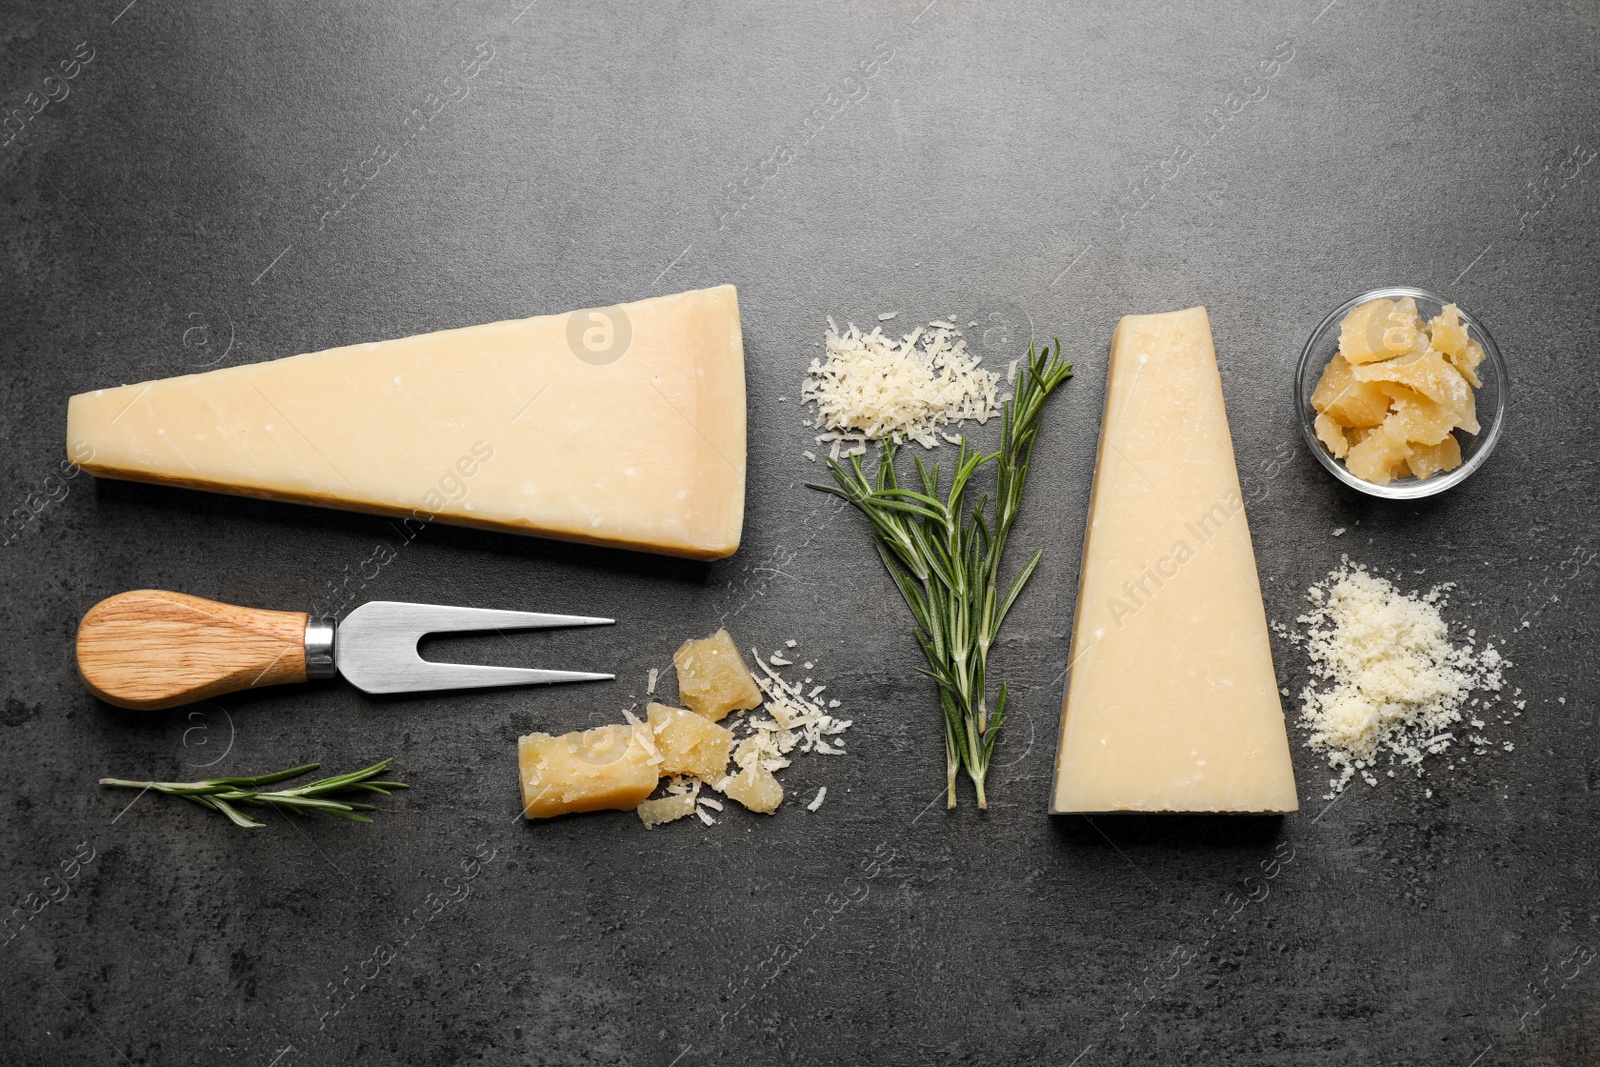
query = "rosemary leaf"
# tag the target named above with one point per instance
(238, 817)
(225, 795)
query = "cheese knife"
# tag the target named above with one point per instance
(151, 649)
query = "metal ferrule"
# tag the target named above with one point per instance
(319, 649)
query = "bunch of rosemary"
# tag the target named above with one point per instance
(945, 559)
(227, 795)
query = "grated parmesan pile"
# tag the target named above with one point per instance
(796, 718)
(1388, 685)
(871, 386)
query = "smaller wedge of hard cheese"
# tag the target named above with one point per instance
(1172, 704)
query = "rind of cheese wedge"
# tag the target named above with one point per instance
(1380, 457)
(1428, 373)
(1347, 400)
(1446, 333)
(689, 743)
(1428, 460)
(603, 769)
(1380, 329)
(1468, 361)
(1331, 434)
(1418, 419)
(712, 677)
(1172, 704)
(621, 426)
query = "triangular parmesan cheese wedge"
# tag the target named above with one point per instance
(617, 426)
(1172, 704)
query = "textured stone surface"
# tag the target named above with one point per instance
(986, 169)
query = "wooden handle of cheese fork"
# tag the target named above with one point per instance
(151, 649)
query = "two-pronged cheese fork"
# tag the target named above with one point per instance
(151, 649)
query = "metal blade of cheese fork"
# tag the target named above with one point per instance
(375, 647)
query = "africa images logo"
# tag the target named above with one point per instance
(601, 747)
(599, 336)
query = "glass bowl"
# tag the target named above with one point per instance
(1491, 397)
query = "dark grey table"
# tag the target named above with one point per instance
(206, 185)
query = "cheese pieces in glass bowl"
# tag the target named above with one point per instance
(1402, 394)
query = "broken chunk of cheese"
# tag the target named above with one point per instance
(620, 426)
(1172, 704)
(603, 769)
(667, 809)
(712, 677)
(755, 788)
(689, 743)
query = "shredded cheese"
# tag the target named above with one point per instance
(871, 387)
(816, 801)
(1387, 681)
(796, 718)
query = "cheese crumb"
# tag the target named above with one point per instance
(1386, 679)
(816, 801)
(650, 687)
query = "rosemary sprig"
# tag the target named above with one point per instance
(225, 795)
(945, 560)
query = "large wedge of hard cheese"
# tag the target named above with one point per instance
(619, 426)
(1171, 703)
